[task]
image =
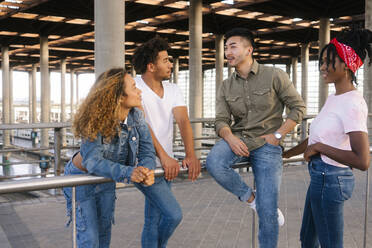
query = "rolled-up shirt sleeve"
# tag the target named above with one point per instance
(288, 94)
(223, 112)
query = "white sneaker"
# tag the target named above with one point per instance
(280, 214)
(280, 218)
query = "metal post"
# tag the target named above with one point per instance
(303, 129)
(57, 151)
(74, 217)
(254, 221)
(366, 212)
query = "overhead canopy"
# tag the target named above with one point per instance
(280, 27)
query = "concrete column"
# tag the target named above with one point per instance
(45, 89)
(133, 72)
(77, 91)
(34, 100)
(109, 46)
(288, 69)
(176, 69)
(304, 71)
(72, 93)
(367, 87)
(195, 66)
(294, 71)
(11, 97)
(6, 99)
(230, 70)
(324, 38)
(219, 61)
(63, 99)
(30, 97)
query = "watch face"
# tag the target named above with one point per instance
(278, 135)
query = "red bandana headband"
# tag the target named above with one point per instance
(348, 55)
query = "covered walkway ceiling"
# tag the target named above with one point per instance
(280, 25)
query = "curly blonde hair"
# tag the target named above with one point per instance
(98, 114)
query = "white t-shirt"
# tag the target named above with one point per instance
(340, 115)
(158, 112)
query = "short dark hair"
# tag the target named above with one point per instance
(147, 53)
(358, 39)
(242, 32)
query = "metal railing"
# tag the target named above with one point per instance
(78, 180)
(57, 147)
(73, 181)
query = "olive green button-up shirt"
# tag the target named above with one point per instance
(254, 106)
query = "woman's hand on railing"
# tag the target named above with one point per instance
(150, 177)
(143, 175)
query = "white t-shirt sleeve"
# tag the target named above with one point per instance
(355, 117)
(178, 97)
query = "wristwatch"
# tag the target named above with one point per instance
(277, 135)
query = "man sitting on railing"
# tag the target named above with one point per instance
(255, 96)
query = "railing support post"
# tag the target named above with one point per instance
(254, 221)
(303, 129)
(366, 212)
(74, 217)
(57, 151)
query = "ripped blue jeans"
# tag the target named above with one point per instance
(95, 204)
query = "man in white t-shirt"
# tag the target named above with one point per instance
(162, 102)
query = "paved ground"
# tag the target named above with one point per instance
(212, 217)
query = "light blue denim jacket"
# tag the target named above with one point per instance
(108, 160)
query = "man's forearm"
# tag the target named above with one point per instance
(225, 133)
(287, 127)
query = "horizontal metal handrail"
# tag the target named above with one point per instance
(68, 124)
(35, 125)
(26, 162)
(68, 181)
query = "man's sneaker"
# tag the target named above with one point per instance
(280, 218)
(280, 214)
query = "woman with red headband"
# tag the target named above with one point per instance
(338, 142)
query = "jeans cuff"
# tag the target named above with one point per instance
(246, 196)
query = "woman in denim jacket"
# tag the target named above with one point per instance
(117, 144)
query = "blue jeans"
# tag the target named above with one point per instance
(323, 220)
(95, 205)
(267, 166)
(162, 213)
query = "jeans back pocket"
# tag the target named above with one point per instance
(346, 183)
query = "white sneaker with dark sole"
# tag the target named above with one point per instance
(281, 219)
